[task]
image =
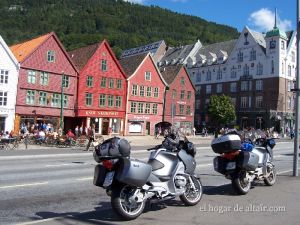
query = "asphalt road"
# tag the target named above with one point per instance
(48, 188)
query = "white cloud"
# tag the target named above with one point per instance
(135, 1)
(263, 20)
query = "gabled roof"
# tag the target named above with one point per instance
(289, 35)
(23, 50)
(130, 64)
(259, 38)
(9, 52)
(81, 56)
(169, 73)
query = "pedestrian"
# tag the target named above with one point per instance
(77, 131)
(194, 131)
(91, 136)
(292, 134)
(81, 130)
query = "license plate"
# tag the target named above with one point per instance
(108, 178)
(231, 166)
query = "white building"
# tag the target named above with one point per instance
(9, 72)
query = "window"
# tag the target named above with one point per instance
(208, 76)
(51, 56)
(246, 70)
(103, 82)
(181, 109)
(142, 91)
(3, 98)
(134, 90)
(282, 45)
(293, 56)
(197, 104)
(118, 101)
(65, 101)
(111, 83)
(89, 81)
(240, 56)
(233, 101)
(219, 74)
(189, 95)
(31, 76)
(102, 100)
(55, 101)
(289, 102)
(208, 89)
(174, 94)
(188, 110)
(182, 81)
(66, 81)
(219, 88)
(244, 102)
(272, 66)
(44, 78)
(3, 76)
(88, 99)
(252, 55)
(148, 75)
(140, 107)
(119, 83)
(259, 102)
(147, 108)
(198, 90)
(182, 95)
(198, 78)
(258, 85)
(149, 91)
(244, 85)
(289, 70)
(259, 69)
(103, 65)
(173, 109)
(233, 73)
(154, 108)
(233, 87)
(30, 97)
(132, 107)
(43, 98)
(110, 100)
(155, 94)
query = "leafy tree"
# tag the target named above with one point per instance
(221, 109)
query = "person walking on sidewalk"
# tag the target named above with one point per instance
(91, 136)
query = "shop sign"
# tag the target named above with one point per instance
(141, 118)
(101, 113)
(3, 111)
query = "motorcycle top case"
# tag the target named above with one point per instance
(226, 143)
(133, 172)
(113, 147)
(247, 160)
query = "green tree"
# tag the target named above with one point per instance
(221, 109)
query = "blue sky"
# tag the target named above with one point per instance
(256, 14)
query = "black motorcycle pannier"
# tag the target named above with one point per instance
(113, 147)
(133, 172)
(247, 160)
(226, 143)
(99, 175)
(221, 165)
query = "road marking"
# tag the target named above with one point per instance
(204, 165)
(285, 171)
(23, 185)
(59, 165)
(41, 221)
(85, 178)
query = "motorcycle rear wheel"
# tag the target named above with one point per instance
(124, 204)
(192, 197)
(241, 184)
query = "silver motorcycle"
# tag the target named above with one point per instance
(245, 162)
(169, 172)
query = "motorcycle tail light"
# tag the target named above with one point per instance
(108, 164)
(231, 155)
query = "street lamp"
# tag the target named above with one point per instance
(62, 102)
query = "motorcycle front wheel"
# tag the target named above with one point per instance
(271, 179)
(240, 183)
(193, 193)
(125, 203)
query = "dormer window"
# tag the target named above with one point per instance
(246, 38)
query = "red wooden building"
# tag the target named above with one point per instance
(45, 68)
(102, 88)
(145, 98)
(180, 97)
